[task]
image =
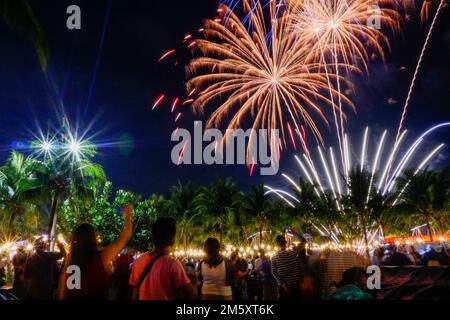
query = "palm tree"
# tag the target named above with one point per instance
(19, 15)
(75, 179)
(361, 186)
(306, 205)
(217, 204)
(181, 205)
(381, 210)
(20, 187)
(441, 199)
(282, 215)
(417, 195)
(327, 212)
(258, 205)
(160, 204)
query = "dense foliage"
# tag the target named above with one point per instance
(31, 188)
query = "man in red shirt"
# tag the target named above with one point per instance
(167, 279)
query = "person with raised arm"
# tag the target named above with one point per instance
(94, 264)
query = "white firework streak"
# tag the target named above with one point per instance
(381, 163)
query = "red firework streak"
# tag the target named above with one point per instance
(181, 153)
(188, 101)
(166, 54)
(252, 168)
(191, 44)
(302, 136)
(292, 136)
(187, 37)
(158, 101)
(203, 92)
(192, 92)
(174, 104)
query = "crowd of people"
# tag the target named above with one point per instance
(114, 273)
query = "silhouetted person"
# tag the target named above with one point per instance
(19, 261)
(240, 272)
(94, 264)
(41, 271)
(121, 275)
(270, 289)
(216, 273)
(413, 255)
(158, 276)
(396, 258)
(286, 270)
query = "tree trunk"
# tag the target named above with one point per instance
(12, 218)
(440, 223)
(185, 239)
(52, 215)
(430, 233)
(260, 231)
(366, 242)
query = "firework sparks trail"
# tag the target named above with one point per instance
(385, 184)
(333, 161)
(420, 167)
(174, 104)
(373, 231)
(166, 54)
(416, 72)
(391, 158)
(158, 101)
(340, 31)
(281, 193)
(180, 157)
(375, 163)
(99, 54)
(408, 155)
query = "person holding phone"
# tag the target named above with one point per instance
(93, 262)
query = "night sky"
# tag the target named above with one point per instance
(117, 100)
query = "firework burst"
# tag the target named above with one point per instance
(344, 31)
(261, 70)
(347, 30)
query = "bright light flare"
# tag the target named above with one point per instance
(46, 146)
(74, 147)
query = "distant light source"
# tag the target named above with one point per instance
(46, 146)
(74, 147)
